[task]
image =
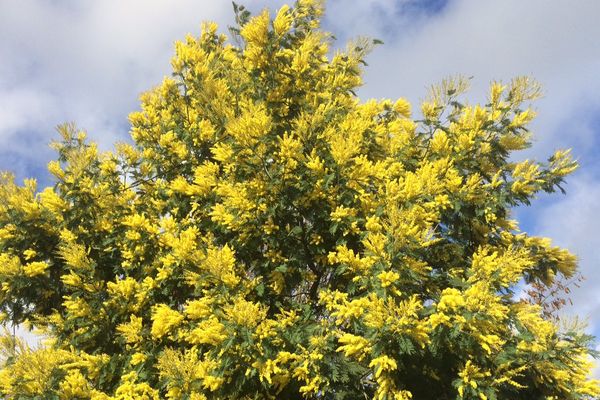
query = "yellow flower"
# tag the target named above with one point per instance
(138, 358)
(353, 345)
(131, 330)
(164, 320)
(245, 313)
(522, 118)
(450, 300)
(342, 212)
(209, 331)
(35, 268)
(199, 308)
(402, 107)
(130, 389)
(283, 20)
(255, 31)
(387, 278)
(74, 386)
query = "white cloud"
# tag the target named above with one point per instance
(89, 61)
(23, 108)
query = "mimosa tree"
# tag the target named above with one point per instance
(266, 234)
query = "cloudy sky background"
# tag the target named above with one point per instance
(88, 61)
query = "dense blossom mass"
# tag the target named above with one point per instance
(266, 235)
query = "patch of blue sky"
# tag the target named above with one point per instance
(408, 15)
(421, 7)
(587, 150)
(27, 157)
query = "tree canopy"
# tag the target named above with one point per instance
(266, 234)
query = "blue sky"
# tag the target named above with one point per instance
(88, 62)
